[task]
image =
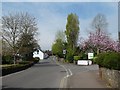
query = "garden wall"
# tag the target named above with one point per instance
(112, 77)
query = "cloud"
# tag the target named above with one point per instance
(53, 17)
(50, 24)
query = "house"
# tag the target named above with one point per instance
(39, 54)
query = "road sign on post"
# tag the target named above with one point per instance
(64, 51)
(90, 55)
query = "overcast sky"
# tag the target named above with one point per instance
(51, 16)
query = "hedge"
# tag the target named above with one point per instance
(15, 68)
(109, 60)
(76, 58)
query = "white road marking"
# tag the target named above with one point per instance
(64, 79)
(70, 72)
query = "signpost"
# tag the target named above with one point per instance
(64, 52)
(90, 55)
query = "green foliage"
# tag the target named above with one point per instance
(72, 30)
(109, 60)
(83, 56)
(94, 59)
(100, 58)
(112, 60)
(8, 59)
(58, 47)
(70, 55)
(76, 58)
(36, 60)
(24, 62)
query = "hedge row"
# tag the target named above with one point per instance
(76, 58)
(11, 68)
(109, 60)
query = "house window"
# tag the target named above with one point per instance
(37, 51)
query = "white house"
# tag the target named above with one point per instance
(38, 53)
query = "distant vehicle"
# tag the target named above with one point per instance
(84, 62)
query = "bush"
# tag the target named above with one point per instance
(36, 60)
(76, 58)
(69, 55)
(8, 59)
(112, 61)
(24, 62)
(94, 59)
(109, 60)
(99, 59)
(83, 56)
(14, 68)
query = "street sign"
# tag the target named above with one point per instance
(90, 55)
(64, 51)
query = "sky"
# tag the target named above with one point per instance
(52, 16)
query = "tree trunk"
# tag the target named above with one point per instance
(98, 51)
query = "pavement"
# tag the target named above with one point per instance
(89, 79)
(84, 77)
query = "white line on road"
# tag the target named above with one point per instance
(63, 82)
(70, 72)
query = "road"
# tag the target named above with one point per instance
(48, 73)
(45, 74)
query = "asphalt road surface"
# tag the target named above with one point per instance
(45, 74)
(48, 73)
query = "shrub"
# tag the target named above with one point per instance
(76, 58)
(36, 60)
(24, 62)
(94, 59)
(99, 59)
(83, 56)
(8, 59)
(69, 55)
(109, 60)
(112, 61)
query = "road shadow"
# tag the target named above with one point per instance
(45, 64)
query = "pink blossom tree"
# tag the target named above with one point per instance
(100, 42)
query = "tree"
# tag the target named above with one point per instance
(72, 30)
(99, 24)
(60, 35)
(11, 32)
(28, 45)
(59, 45)
(99, 42)
(27, 42)
(14, 27)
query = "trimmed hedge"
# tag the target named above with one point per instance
(109, 60)
(76, 58)
(15, 68)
